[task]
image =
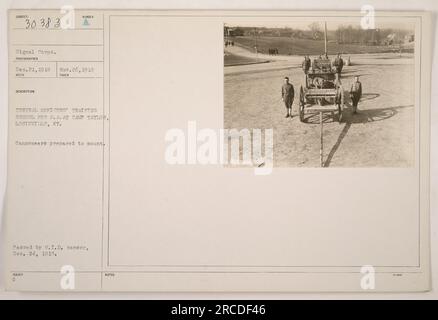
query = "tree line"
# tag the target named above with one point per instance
(343, 34)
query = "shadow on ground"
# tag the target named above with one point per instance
(362, 116)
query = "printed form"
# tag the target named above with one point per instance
(119, 123)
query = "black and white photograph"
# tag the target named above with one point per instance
(336, 93)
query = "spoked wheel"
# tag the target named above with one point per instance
(302, 104)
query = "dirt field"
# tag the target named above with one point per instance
(381, 134)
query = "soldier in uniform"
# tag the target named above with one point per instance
(356, 93)
(314, 64)
(306, 66)
(338, 64)
(287, 95)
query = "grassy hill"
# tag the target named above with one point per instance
(293, 46)
(235, 60)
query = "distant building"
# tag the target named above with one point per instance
(409, 38)
(390, 39)
(233, 32)
(228, 32)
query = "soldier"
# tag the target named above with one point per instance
(314, 62)
(306, 66)
(356, 93)
(338, 64)
(341, 64)
(287, 95)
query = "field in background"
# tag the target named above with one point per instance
(381, 134)
(292, 46)
(231, 59)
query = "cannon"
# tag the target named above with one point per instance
(322, 91)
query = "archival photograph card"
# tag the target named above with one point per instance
(218, 151)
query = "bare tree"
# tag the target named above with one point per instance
(316, 30)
